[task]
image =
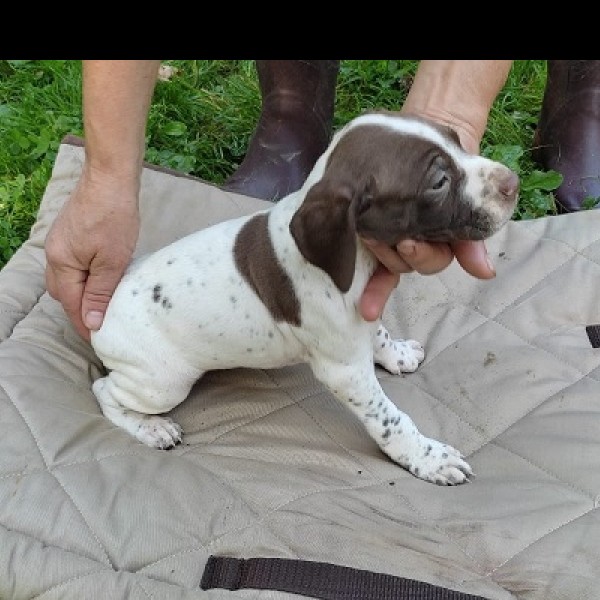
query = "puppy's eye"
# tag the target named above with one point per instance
(438, 172)
(440, 181)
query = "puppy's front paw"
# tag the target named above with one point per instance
(409, 354)
(439, 463)
(158, 432)
(397, 356)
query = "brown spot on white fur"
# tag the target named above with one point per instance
(257, 262)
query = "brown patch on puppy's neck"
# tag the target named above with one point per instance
(256, 260)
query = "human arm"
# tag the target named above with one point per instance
(460, 94)
(93, 237)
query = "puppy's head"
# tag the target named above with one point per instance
(387, 177)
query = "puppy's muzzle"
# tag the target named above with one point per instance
(507, 183)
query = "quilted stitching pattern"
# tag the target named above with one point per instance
(271, 465)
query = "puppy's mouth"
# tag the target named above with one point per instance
(465, 232)
(479, 226)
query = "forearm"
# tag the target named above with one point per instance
(116, 101)
(458, 93)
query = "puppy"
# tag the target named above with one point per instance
(282, 286)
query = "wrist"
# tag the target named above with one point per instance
(102, 185)
(457, 93)
(124, 172)
(469, 133)
(116, 161)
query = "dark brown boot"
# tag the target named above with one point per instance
(293, 130)
(567, 138)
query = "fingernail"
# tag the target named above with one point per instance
(93, 320)
(490, 265)
(407, 247)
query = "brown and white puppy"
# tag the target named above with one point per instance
(282, 286)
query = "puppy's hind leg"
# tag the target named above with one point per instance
(152, 430)
(396, 356)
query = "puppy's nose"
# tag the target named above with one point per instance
(508, 184)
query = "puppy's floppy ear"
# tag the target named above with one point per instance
(324, 231)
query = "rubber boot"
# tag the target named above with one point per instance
(293, 130)
(567, 138)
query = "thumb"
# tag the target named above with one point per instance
(473, 258)
(99, 288)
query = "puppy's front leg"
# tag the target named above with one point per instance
(357, 387)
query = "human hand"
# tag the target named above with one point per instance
(425, 258)
(90, 245)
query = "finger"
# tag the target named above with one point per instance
(474, 259)
(51, 285)
(376, 293)
(99, 288)
(388, 257)
(67, 287)
(425, 257)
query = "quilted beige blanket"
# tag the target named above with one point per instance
(272, 468)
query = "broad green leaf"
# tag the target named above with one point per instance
(174, 128)
(507, 154)
(542, 180)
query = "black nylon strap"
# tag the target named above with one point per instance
(593, 332)
(318, 580)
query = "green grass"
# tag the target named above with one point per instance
(200, 122)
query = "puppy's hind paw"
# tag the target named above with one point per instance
(158, 432)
